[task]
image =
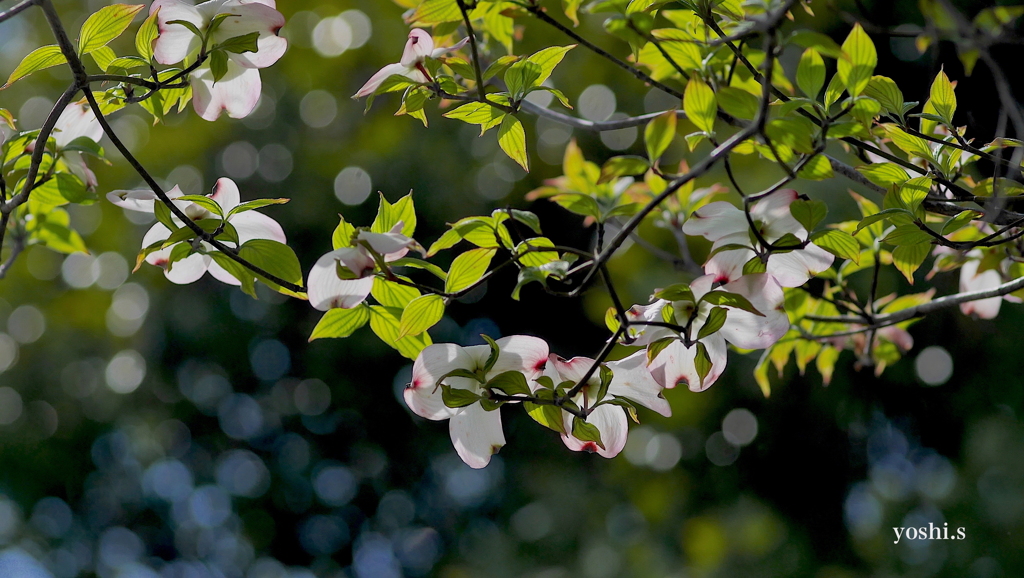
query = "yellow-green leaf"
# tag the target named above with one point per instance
(421, 314)
(700, 105)
(468, 268)
(658, 135)
(106, 24)
(943, 98)
(908, 258)
(340, 322)
(39, 59)
(810, 73)
(839, 243)
(512, 140)
(858, 61)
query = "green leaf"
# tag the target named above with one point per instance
(908, 258)
(420, 264)
(106, 24)
(546, 60)
(810, 73)
(340, 322)
(510, 382)
(527, 218)
(484, 115)
(817, 168)
(39, 59)
(457, 397)
(59, 237)
(449, 239)
(715, 321)
(658, 135)
(959, 221)
(839, 243)
(884, 174)
(621, 166)
(274, 258)
(702, 362)
(675, 292)
(147, 33)
(858, 61)
(586, 432)
(218, 65)
(103, 56)
(943, 97)
(240, 44)
(421, 314)
(468, 268)
(700, 105)
(204, 202)
(391, 294)
(512, 140)
(256, 204)
(535, 258)
(808, 213)
(909, 144)
(385, 322)
(887, 93)
(833, 91)
(913, 192)
(549, 416)
(389, 215)
(907, 235)
(59, 190)
(878, 216)
(738, 102)
(727, 299)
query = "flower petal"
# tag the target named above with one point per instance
(728, 265)
(326, 290)
(249, 17)
(75, 121)
(476, 434)
(715, 220)
(175, 42)
(749, 331)
(773, 211)
(419, 46)
(521, 353)
(675, 364)
(237, 92)
(386, 243)
(439, 52)
(794, 268)
(971, 280)
(611, 421)
(633, 381)
(225, 192)
(422, 394)
(381, 75)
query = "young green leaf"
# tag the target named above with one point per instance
(240, 44)
(457, 397)
(715, 321)
(909, 234)
(808, 213)
(39, 59)
(621, 166)
(586, 432)
(421, 314)
(385, 322)
(908, 258)
(658, 135)
(510, 382)
(858, 61)
(468, 268)
(700, 105)
(512, 140)
(730, 300)
(943, 97)
(839, 243)
(106, 24)
(810, 73)
(147, 33)
(340, 322)
(702, 362)
(887, 93)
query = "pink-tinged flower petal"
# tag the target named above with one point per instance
(141, 200)
(419, 46)
(611, 421)
(728, 265)
(675, 364)
(76, 120)
(574, 369)
(383, 74)
(326, 291)
(181, 272)
(236, 93)
(439, 52)
(520, 353)
(715, 220)
(356, 260)
(773, 211)
(422, 394)
(702, 285)
(225, 192)
(645, 334)
(971, 280)
(249, 17)
(633, 381)
(749, 331)
(900, 337)
(175, 42)
(794, 268)
(476, 434)
(252, 225)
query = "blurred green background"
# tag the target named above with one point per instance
(151, 430)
